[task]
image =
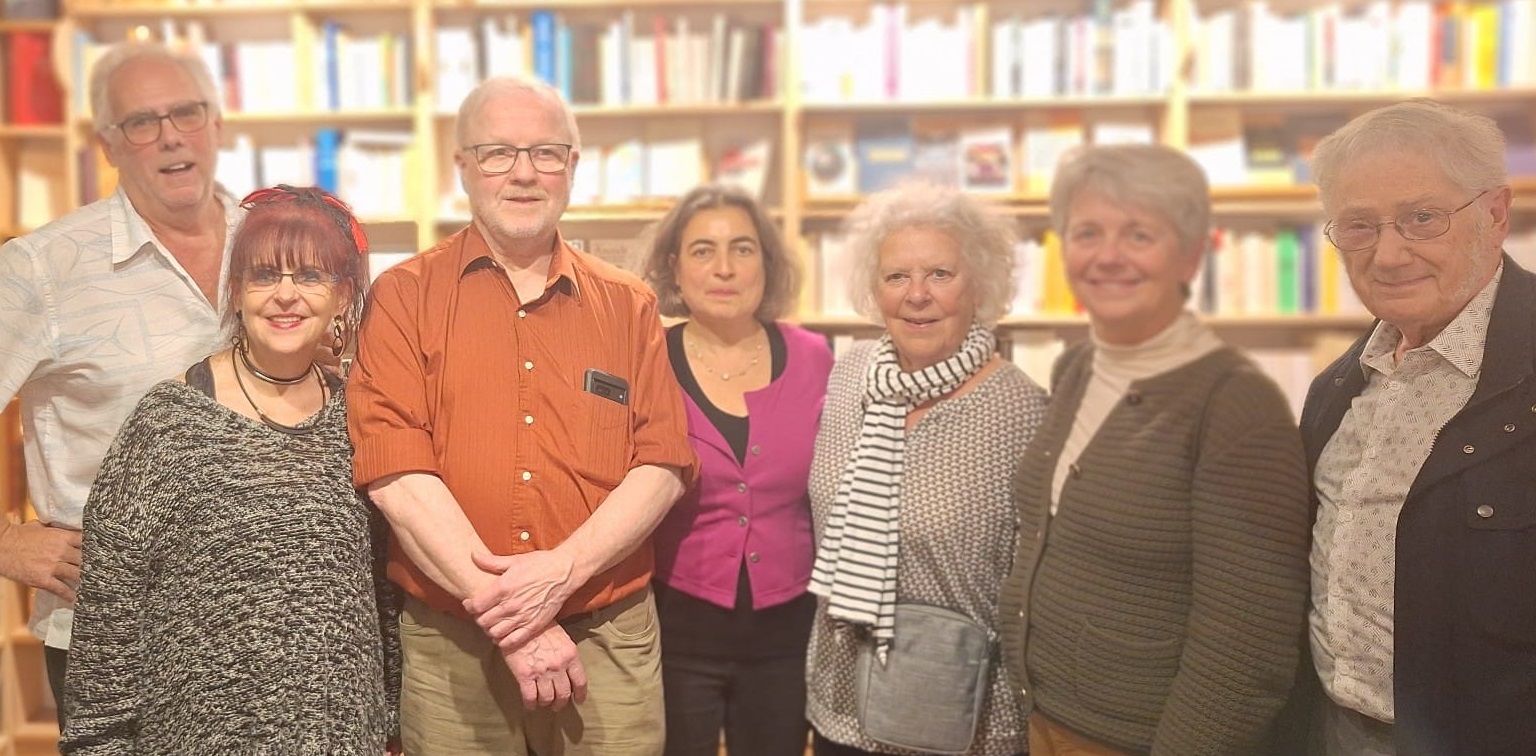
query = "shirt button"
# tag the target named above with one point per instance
(528, 419)
(523, 536)
(528, 365)
(1338, 381)
(756, 449)
(752, 557)
(1133, 398)
(1468, 449)
(742, 521)
(1485, 511)
(1509, 428)
(522, 313)
(741, 488)
(527, 475)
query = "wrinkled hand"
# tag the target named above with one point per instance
(522, 601)
(42, 556)
(548, 670)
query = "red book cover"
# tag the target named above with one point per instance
(31, 85)
(659, 30)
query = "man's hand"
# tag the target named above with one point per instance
(548, 670)
(42, 556)
(522, 601)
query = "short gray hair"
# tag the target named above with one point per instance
(986, 243)
(1468, 148)
(501, 85)
(1155, 178)
(123, 53)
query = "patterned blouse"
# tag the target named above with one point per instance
(957, 532)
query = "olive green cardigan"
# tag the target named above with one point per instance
(1161, 610)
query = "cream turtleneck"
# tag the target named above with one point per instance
(1115, 368)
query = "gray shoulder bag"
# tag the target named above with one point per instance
(928, 694)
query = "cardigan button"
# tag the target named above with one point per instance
(741, 521)
(752, 557)
(1468, 449)
(756, 450)
(741, 488)
(1485, 511)
(1338, 381)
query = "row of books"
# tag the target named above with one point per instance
(367, 169)
(889, 52)
(671, 159)
(875, 153)
(29, 90)
(1411, 45)
(1238, 148)
(629, 60)
(342, 71)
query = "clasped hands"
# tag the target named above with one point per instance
(516, 609)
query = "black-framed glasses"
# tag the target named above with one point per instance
(1417, 225)
(310, 280)
(144, 128)
(496, 159)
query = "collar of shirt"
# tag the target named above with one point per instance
(1460, 343)
(475, 255)
(138, 234)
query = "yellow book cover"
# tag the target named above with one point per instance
(1057, 298)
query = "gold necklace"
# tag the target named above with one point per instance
(726, 375)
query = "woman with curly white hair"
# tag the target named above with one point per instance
(919, 438)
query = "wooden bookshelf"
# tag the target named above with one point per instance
(785, 118)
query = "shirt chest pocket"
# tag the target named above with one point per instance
(607, 444)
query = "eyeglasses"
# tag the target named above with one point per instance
(496, 159)
(144, 128)
(309, 280)
(1416, 225)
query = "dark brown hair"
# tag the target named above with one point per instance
(781, 274)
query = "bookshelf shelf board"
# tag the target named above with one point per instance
(1022, 205)
(666, 110)
(28, 24)
(982, 105)
(28, 733)
(1317, 98)
(573, 4)
(320, 117)
(1313, 321)
(29, 131)
(139, 10)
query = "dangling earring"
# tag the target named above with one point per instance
(237, 340)
(340, 344)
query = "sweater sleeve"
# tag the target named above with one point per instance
(105, 677)
(1249, 520)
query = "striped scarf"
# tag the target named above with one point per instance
(855, 566)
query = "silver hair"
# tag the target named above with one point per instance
(1468, 148)
(500, 85)
(1155, 178)
(123, 53)
(986, 243)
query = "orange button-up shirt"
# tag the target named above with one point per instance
(457, 378)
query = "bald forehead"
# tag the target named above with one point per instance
(499, 109)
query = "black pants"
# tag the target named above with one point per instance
(57, 661)
(820, 746)
(760, 703)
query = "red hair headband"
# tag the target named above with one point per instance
(286, 193)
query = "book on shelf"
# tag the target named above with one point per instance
(830, 251)
(674, 157)
(986, 160)
(625, 253)
(1046, 140)
(33, 92)
(936, 157)
(830, 168)
(745, 163)
(41, 191)
(883, 147)
(624, 167)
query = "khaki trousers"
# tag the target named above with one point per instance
(458, 697)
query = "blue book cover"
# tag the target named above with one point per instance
(884, 150)
(327, 168)
(543, 23)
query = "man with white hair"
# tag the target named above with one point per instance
(103, 303)
(1422, 444)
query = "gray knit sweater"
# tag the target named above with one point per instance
(229, 596)
(1161, 609)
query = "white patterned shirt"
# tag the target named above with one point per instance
(93, 312)
(1362, 478)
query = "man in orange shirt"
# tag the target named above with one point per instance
(516, 420)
